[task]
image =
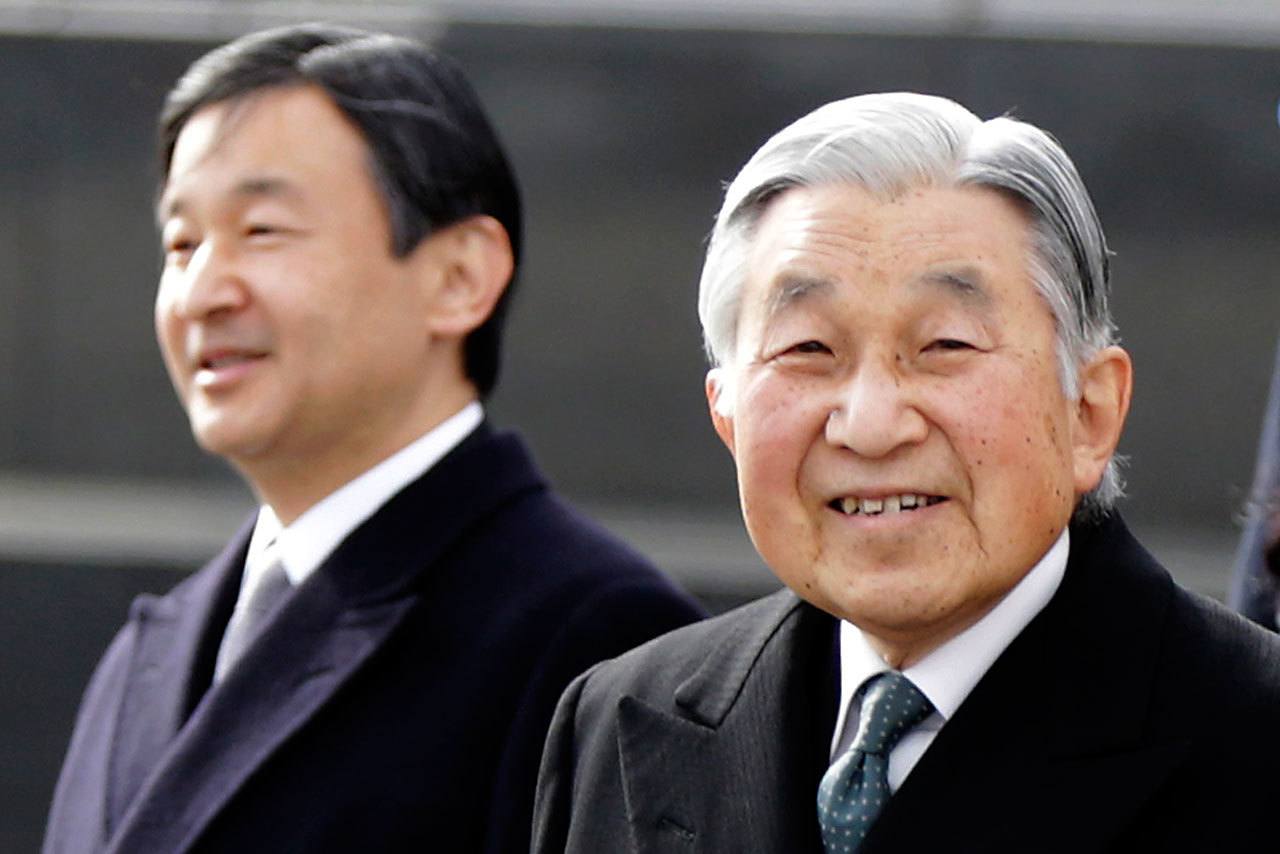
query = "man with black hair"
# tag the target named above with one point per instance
(372, 662)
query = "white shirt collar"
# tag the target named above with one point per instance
(313, 536)
(947, 674)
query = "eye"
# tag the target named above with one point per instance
(179, 248)
(808, 347)
(948, 344)
(261, 229)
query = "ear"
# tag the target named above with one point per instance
(1106, 384)
(715, 387)
(472, 263)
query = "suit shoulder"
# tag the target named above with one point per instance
(1205, 658)
(655, 670)
(543, 542)
(491, 505)
(562, 529)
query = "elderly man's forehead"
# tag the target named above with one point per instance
(808, 240)
(963, 284)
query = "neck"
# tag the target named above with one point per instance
(295, 482)
(901, 650)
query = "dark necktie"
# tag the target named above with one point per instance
(856, 786)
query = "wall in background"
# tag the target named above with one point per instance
(622, 139)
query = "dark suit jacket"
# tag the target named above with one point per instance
(1129, 715)
(397, 702)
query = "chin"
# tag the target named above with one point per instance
(886, 598)
(222, 439)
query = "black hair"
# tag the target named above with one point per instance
(433, 154)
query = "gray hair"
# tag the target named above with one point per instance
(890, 143)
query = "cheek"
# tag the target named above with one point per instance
(169, 333)
(780, 427)
(775, 431)
(162, 310)
(1009, 420)
(1015, 448)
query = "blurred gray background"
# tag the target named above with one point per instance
(623, 118)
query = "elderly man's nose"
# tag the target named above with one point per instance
(874, 414)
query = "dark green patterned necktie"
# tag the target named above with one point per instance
(856, 786)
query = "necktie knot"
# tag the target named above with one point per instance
(891, 705)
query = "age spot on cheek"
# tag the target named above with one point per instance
(1051, 428)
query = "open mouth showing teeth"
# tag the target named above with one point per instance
(889, 504)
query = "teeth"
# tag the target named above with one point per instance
(890, 504)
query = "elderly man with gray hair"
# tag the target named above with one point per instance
(915, 370)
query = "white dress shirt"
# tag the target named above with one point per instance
(313, 536)
(947, 674)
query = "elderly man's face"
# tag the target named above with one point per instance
(903, 443)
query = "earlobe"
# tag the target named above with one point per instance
(715, 388)
(1106, 385)
(473, 263)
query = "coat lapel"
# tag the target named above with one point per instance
(318, 640)
(1051, 745)
(309, 651)
(166, 676)
(737, 767)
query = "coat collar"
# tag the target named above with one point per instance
(1052, 742)
(176, 639)
(715, 775)
(1055, 729)
(185, 770)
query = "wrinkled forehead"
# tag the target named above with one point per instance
(809, 242)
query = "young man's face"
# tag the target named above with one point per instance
(290, 331)
(903, 444)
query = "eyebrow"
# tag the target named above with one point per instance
(791, 290)
(965, 283)
(261, 187)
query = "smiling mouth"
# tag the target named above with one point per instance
(227, 360)
(904, 503)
